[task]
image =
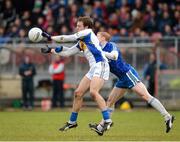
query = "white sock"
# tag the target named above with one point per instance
(71, 122)
(111, 110)
(108, 120)
(159, 107)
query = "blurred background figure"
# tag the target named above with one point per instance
(56, 69)
(150, 71)
(27, 71)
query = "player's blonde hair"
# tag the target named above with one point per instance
(106, 35)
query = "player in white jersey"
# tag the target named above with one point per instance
(88, 43)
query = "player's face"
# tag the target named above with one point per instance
(99, 37)
(80, 26)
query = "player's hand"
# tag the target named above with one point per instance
(46, 35)
(46, 49)
(58, 49)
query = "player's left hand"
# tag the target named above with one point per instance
(46, 35)
(46, 49)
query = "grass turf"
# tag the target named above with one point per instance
(139, 125)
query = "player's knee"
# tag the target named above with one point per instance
(93, 93)
(109, 102)
(145, 96)
(78, 94)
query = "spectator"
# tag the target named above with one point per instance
(56, 69)
(54, 6)
(139, 5)
(137, 20)
(27, 71)
(26, 15)
(22, 35)
(113, 20)
(150, 22)
(166, 20)
(98, 8)
(111, 7)
(64, 30)
(149, 16)
(125, 21)
(62, 19)
(177, 29)
(150, 71)
(9, 13)
(3, 37)
(13, 31)
(86, 7)
(167, 31)
(37, 12)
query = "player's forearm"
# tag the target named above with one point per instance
(65, 48)
(73, 37)
(112, 55)
(64, 38)
(65, 53)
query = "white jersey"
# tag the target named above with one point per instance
(90, 46)
(88, 43)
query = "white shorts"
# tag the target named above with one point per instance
(100, 69)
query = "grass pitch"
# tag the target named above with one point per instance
(137, 125)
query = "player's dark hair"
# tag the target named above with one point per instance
(87, 21)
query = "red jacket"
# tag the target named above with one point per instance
(56, 69)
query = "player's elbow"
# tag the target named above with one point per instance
(115, 55)
(55, 38)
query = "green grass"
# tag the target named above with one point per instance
(140, 125)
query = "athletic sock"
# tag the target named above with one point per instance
(101, 124)
(159, 107)
(73, 117)
(110, 110)
(106, 116)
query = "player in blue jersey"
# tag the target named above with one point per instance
(88, 43)
(128, 78)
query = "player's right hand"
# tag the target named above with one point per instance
(46, 35)
(46, 49)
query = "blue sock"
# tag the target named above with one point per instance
(74, 116)
(105, 114)
(110, 110)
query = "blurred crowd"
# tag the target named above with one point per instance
(121, 18)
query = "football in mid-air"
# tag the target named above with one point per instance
(35, 34)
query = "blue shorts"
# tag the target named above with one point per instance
(128, 80)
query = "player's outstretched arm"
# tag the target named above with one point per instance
(73, 37)
(67, 52)
(113, 55)
(61, 50)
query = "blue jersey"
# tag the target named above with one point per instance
(119, 66)
(127, 75)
